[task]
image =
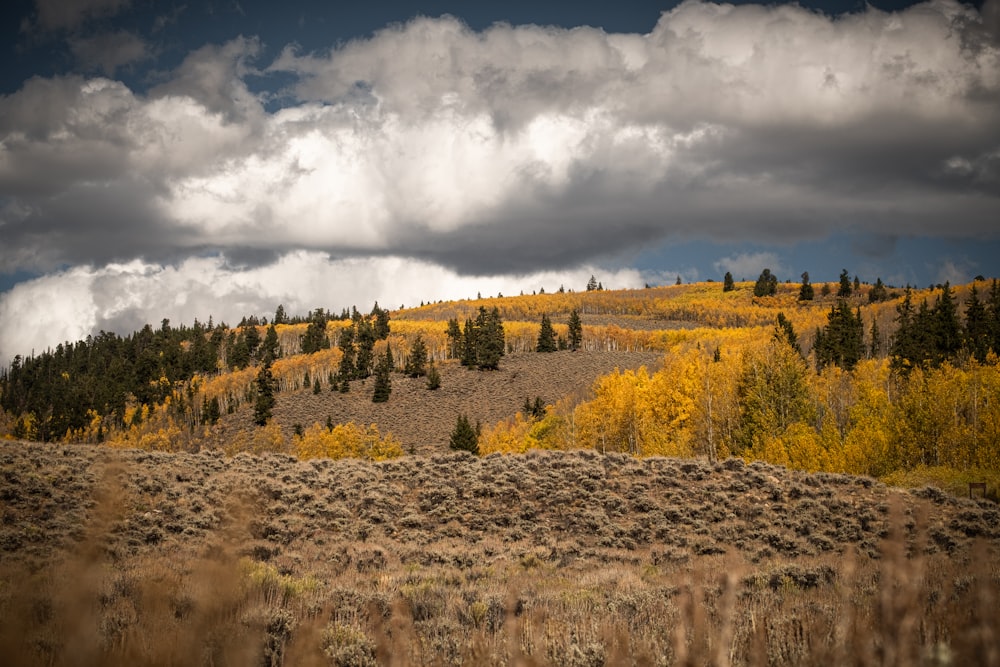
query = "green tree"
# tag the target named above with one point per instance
(784, 331)
(575, 330)
(365, 337)
(416, 363)
(844, 291)
(464, 437)
(433, 377)
(270, 350)
(490, 340)
(841, 341)
(383, 380)
(976, 338)
(347, 370)
(315, 339)
(455, 340)
(546, 336)
(279, 315)
(592, 284)
(727, 283)
(806, 292)
(381, 328)
(264, 402)
(767, 284)
(878, 292)
(469, 344)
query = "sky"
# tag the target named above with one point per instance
(181, 160)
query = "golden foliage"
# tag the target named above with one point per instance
(347, 441)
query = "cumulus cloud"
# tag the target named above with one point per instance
(517, 149)
(69, 305)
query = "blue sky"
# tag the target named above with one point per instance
(181, 160)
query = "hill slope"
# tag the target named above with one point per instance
(570, 558)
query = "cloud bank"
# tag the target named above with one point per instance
(506, 152)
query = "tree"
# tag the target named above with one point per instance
(365, 337)
(433, 377)
(976, 338)
(464, 437)
(727, 283)
(546, 336)
(469, 344)
(767, 284)
(264, 403)
(315, 339)
(489, 339)
(347, 370)
(841, 341)
(270, 350)
(455, 340)
(381, 322)
(383, 381)
(592, 284)
(806, 292)
(416, 362)
(279, 315)
(784, 331)
(844, 290)
(878, 292)
(575, 330)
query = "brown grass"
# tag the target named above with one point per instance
(552, 558)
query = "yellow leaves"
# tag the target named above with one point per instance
(347, 441)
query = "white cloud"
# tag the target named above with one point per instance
(70, 305)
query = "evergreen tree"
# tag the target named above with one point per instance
(841, 342)
(264, 402)
(383, 381)
(279, 315)
(469, 344)
(347, 370)
(464, 437)
(878, 292)
(857, 285)
(806, 292)
(844, 290)
(381, 328)
(976, 334)
(875, 349)
(365, 337)
(270, 350)
(546, 336)
(455, 340)
(433, 377)
(767, 284)
(727, 283)
(592, 284)
(252, 337)
(416, 363)
(993, 315)
(316, 386)
(575, 330)
(947, 332)
(784, 331)
(315, 339)
(489, 339)
(237, 352)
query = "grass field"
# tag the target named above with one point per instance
(552, 558)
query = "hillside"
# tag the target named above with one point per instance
(569, 558)
(423, 420)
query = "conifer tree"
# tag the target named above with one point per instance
(365, 337)
(784, 331)
(381, 328)
(264, 402)
(875, 348)
(279, 315)
(878, 292)
(383, 381)
(727, 283)
(976, 335)
(489, 339)
(844, 290)
(592, 284)
(270, 350)
(575, 330)
(767, 284)
(455, 340)
(469, 344)
(433, 377)
(416, 363)
(347, 370)
(841, 341)
(806, 292)
(315, 338)
(464, 437)
(947, 331)
(546, 336)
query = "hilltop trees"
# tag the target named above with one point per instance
(315, 338)
(844, 291)
(806, 292)
(481, 344)
(841, 341)
(727, 282)
(767, 284)
(926, 336)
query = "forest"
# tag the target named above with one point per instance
(901, 384)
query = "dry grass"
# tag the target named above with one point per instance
(423, 420)
(574, 558)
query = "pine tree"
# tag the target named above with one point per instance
(875, 348)
(947, 332)
(383, 381)
(381, 328)
(264, 403)
(976, 338)
(806, 292)
(316, 386)
(767, 284)
(270, 350)
(878, 292)
(455, 340)
(433, 377)
(784, 331)
(469, 344)
(279, 315)
(592, 284)
(315, 338)
(416, 363)
(841, 342)
(575, 330)
(347, 369)
(844, 290)
(365, 337)
(489, 339)
(464, 437)
(546, 336)
(727, 283)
